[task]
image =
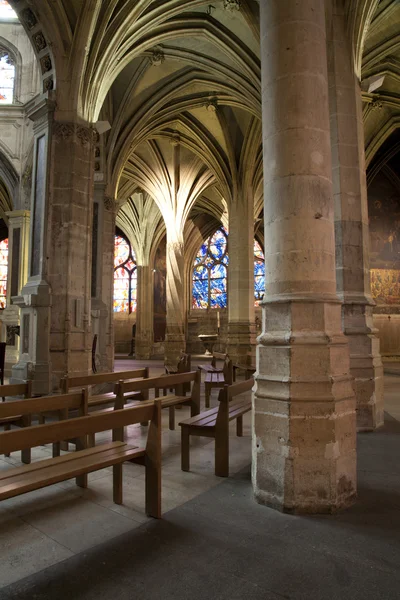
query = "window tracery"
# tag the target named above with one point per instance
(7, 76)
(3, 272)
(125, 276)
(211, 271)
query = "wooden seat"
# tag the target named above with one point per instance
(214, 423)
(20, 412)
(216, 377)
(175, 382)
(17, 420)
(85, 460)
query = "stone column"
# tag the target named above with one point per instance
(55, 302)
(103, 236)
(175, 340)
(304, 425)
(351, 225)
(241, 327)
(144, 314)
(18, 254)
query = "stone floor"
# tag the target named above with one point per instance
(214, 541)
(47, 526)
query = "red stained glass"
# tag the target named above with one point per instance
(125, 276)
(3, 272)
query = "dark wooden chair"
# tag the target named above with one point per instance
(2, 363)
(94, 347)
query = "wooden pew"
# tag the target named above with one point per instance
(166, 382)
(14, 482)
(216, 377)
(184, 366)
(20, 389)
(26, 409)
(68, 383)
(214, 423)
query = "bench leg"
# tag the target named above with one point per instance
(117, 483)
(207, 392)
(7, 428)
(91, 440)
(26, 456)
(56, 449)
(239, 426)
(172, 418)
(82, 480)
(185, 448)
(222, 453)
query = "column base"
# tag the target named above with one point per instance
(365, 364)
(175, 344)
(304, 425)
(241, 344)
(143, 349)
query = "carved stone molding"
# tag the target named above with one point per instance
(157, 57)
(232, 5)
(63, 131)
(29, 18)
(45, 63)
(377, 104)
(40, 41)
(110, 204)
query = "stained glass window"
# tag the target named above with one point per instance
(211, 271)
(7, 76)
(6, 12)
(3, 272)
(125, 276)
(259, 273)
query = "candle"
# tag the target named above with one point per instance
(218, 319)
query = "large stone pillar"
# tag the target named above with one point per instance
(103, 236)
(175, 341)
(351, 224)
(144, 315)
(304, 426)
(241, 327)
(55, 302)
(18, 254)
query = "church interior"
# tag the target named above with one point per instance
(199, 299)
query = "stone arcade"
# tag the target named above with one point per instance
(275, 123)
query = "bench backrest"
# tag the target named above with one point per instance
(68, 383)
(17, 389)
(228, 370)
(162, 382)
(226, 395)
(217, 356)
(30, 437)
(34, 406)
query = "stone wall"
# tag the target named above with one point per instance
(384, 223)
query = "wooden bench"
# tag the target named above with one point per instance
(214, 423)
(18, 420)
(163, 382)
(14, 482)
(216, 377)
(184, 366)
(68, 383)
(49, 405)
(249, 370)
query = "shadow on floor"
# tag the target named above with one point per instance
(222, 545)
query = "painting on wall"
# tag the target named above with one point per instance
(384, 227)
(160, 295)
(385, 286)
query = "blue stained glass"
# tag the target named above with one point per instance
(218, 271)
(210, 272)
(200, 273)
